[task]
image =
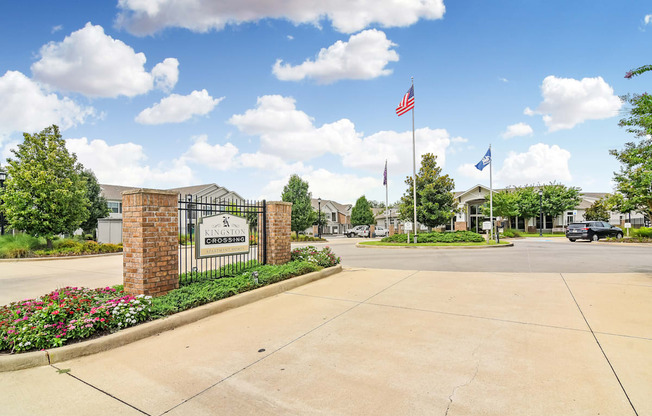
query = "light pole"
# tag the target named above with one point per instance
(319, 218)
(540, 212)
(3, 176)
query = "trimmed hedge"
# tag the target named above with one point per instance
(438, 237)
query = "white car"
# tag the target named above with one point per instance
(358, 231)
(381, 231)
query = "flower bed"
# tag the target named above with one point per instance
(68, 314)
(323, 258)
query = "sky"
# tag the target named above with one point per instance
(163, 93)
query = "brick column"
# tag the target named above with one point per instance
(150, 237)
(279, 223)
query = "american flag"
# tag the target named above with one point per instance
(407, 103)
(385, 174)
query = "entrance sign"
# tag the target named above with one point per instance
(221, 235)
(628, 225)
(486, 225)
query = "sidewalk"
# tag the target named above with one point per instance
(382, 342)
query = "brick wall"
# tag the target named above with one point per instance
(150, 230)
(279, 222)
(460, 226)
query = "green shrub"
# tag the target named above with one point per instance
(511, 233)
(202, 292)
(90, 247)
(66, 243)
(224, 271)
(643, 232)
(438, 237)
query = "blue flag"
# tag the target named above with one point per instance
(485, 160)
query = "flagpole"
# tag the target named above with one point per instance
(386, 199)
(414, 170)
(491, 192)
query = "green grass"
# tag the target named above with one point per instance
(380, 243)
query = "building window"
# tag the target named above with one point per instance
(334, 217)
(115, 207)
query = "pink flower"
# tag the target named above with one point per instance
(55, 312)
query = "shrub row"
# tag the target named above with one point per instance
(303, 237)
(23, 245)
(439, 237)
(643, 232)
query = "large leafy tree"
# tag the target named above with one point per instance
(528, 202)
(45, 192)
(303, 215)
(361, 214)
(634, 180)
(97, 206)
(558, 198)
(435, 202)
(505, 204)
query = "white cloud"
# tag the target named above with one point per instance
(290, 37)
(517, 130)
(125, 164)
(503, 79)
(542, 163)
(178, 108)
(648, 19)
(470, 171)
(56, 28)
(568, 102)
(27, 108)
(216, 157)
(291, 135)
(370, 152)
(146, 17)
(94, 64)
(325, 184)
(166, 74)
(364, 56)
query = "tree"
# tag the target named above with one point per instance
(45, 191)
(505, 204)
(376, 204)
(634, 181)
(435, 201)
(361, 214)
(97, 206)
(528, 202)
(303, 215)
(599, 210)
(558, 198)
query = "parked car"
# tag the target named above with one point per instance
(592, 230)
(381, 231)
(358, 231)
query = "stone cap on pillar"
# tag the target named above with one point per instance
(148, 191)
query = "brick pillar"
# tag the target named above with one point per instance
(279, 222)
(460, 226)
(150, 237)
(391, 229)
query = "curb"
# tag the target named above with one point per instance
(60, 258)
(412, 247)
(127, 336)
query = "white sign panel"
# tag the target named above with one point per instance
(222, 235)
(628, 225)
(486, 225)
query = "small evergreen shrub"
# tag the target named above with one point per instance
(643, 232)
(511, 233)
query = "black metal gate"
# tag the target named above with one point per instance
(192, 269)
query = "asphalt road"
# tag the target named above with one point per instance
(549, 255)
(25, 279)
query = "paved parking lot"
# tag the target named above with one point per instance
(382, 342)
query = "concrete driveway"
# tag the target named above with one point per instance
(381, 342)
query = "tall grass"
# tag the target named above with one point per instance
(643, 232)
(19, 245)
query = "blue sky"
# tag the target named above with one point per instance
(244, 94)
